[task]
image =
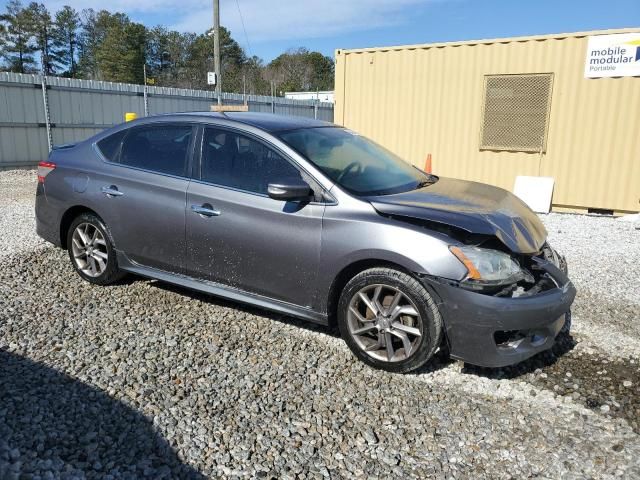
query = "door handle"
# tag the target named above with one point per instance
(111, 191)
(205, 210)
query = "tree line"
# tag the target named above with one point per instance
(101, 45)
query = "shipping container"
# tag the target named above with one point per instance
(491, 110)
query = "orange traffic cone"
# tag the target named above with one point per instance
(427, 164)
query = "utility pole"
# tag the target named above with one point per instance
(216, 48)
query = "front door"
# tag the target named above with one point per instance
(238, 236)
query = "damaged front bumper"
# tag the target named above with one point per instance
(495, 331)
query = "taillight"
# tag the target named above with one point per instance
(44, 169)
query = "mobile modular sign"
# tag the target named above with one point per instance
(615, 55)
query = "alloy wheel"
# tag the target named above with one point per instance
(89, 250)
(384, 323)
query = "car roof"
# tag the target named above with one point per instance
(264, 121)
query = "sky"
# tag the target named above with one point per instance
(325, 25)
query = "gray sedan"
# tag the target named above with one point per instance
(315, 221)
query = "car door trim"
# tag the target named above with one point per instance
(248, 192)
(220, 290)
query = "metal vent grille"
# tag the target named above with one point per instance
(516, 112)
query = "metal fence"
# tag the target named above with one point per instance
(34, 112)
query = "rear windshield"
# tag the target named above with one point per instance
(354, 162)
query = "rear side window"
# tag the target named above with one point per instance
(160, 148)
(110, 146)
(233, 160)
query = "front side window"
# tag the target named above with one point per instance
(354, 162)
(234, 160)
(160, 148)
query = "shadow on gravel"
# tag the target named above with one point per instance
(242, 307)
(52, 426)
(441, 358)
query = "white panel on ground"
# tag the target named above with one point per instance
(631, 217)
(535, 192)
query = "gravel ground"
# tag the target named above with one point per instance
(144, 380)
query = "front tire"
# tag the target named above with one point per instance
(389, 320)
(91, 250)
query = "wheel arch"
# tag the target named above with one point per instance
(350, 271)
(67, 219)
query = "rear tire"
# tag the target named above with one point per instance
(91, 250)
(381, 306)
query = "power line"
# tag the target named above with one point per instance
(244, 29)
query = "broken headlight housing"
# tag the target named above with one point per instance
(488, 268)
(551, 255)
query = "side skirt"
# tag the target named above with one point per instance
(222, 291)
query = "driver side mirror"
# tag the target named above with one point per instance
(290, 189)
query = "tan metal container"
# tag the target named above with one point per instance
(429, 99)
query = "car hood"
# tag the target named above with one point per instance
(471, 206)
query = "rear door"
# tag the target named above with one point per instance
(236, 234)
(144, 193)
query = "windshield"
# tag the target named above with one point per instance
(354, 162)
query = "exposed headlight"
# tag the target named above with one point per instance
(488, 267)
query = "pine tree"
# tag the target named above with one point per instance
(3, 42)
(41, 26)
(174, 65)
(93, 34)
(156, 50)
(102, 45)
(121, 56)
(232, 60)
(65, 40)
(322, 71)
(19, 47)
